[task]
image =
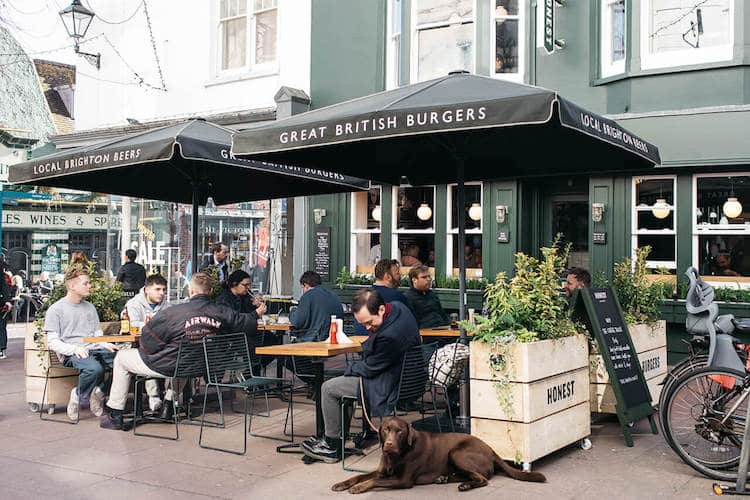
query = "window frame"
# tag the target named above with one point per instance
(635, 232)
(522, 41)
(686, 57)
(721, 230)
(354, 232)
(415, 28)
(395, 231)
(249, 68)
(451, 234)
(393, 46)
(607, 69)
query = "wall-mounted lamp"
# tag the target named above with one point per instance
(424, 212)
(475, 212)
(77, 20)
(376, 213)
(501, 212)
(597, 212)
(318, 214)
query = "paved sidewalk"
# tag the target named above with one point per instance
(52, 460)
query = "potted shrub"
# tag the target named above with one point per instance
(640, 300)
(529, 364)
(108, 300)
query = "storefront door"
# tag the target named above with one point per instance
(567, 215)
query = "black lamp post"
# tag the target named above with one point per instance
(77, 20)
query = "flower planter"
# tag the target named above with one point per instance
(448, 296)
(650, 343)
(62, 380)
(535, 401)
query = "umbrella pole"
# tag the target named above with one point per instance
(194, 239)
(462, 420)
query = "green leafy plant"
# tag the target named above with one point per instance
(638, 298)
(345, 277)
(216, 287)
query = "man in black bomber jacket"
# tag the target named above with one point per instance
(160, 340)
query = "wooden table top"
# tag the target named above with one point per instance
(441, 332)
(313, 349)
(278, 327)
(113, 339)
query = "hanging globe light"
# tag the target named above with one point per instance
(376, 213)
(732, 207)
(661, 209)
(424, 212)
(475, 212)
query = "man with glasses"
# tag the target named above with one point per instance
(423, 300)
(236, 295)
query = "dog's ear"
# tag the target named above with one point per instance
(411, 435)
(380, 436)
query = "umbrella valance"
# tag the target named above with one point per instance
(169, 162)
(505, 129)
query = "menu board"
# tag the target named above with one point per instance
(322, 255)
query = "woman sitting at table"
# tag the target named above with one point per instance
(237, 296)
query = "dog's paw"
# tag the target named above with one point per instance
(357, 489)
(441, 479)
(464, 487)
(343, 485)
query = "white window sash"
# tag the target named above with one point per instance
(635, 232)
(607, 67)
(521, 18)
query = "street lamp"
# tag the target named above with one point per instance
(77, 20)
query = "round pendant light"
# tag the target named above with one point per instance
(376, 214)
(475, 212)
(732, 207)
(661, 209)
(424, 212)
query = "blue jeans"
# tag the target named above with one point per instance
(91, 370)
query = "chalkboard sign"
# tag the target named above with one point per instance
(600, 311)
(322, 255)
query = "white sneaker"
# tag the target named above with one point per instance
(73, 404)
(154, 403)
(3, 355)
(96, 402)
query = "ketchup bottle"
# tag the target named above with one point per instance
(334, 330)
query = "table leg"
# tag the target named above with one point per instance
(318, 385)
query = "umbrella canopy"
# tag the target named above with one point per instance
(184, 163)
(500, 129)
(171, 162)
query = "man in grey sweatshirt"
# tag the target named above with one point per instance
(146, 304)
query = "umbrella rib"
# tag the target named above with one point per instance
(417, 91)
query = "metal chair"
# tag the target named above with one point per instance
(414, 382)
(436, 385)
(231, 354)
(190, 364)
(53, 366)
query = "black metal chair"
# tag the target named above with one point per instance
(190, 364)
(414, 382)
(53, 366)
(436, 386)
(230, 354)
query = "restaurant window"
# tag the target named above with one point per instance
(443, 38)
(682, 32)
(414, 223)
(612, 45)
(365, 231)
(393, 61)
(722, 227)
(247, 39)
(508, 46)
(472, 244)
(654, 221)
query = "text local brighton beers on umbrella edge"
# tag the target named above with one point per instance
(420, 118)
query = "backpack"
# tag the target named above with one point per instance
(448, 363)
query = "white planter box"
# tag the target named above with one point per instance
(651, 347)
(62, 380)
(542, 407)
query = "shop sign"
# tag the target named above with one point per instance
(322, 252)
(51, 259)
(549, 26)
(16, 219)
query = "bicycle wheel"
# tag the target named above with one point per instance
(687, 365)
(706, 412)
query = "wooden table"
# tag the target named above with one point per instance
(441, 332)
(113, 339)
(278, 327)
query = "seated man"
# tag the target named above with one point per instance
(67, 322)
(393, 330)
(160, 339)
(316, 306)
(423, 300)
(45, 284)
(145, 304)
(387, 277)
(577, 278)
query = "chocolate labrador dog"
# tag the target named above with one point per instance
(411, 457)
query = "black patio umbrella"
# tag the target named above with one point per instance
(452, 129)
(184, 163)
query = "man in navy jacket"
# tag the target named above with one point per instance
(312, 318)
(387, 277)
(393, 330)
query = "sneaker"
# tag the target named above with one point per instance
(96, 402)
(3, 355)
(365, 439)
(113, 421)
(327, 450)
(73, 404)
(154, 403)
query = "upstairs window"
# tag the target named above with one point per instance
(613, 25)
(508, 44)
(443, 38)
(247, 39)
